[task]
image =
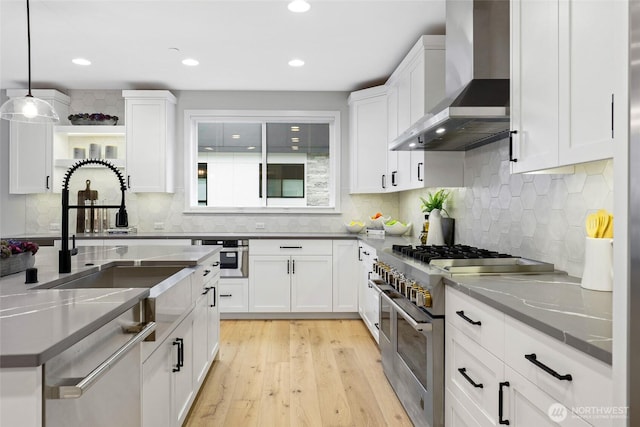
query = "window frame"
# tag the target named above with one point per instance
(193, 117)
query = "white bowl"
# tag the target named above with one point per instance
(397, 229)
(378, 222)
(355, 228)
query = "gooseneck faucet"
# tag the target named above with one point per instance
(64, 256)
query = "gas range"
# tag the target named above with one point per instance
(464, 259)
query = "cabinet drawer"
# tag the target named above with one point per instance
(290, 247)
(478, 321)
(590, 384)
(234, 295)
(472, 376)
(456, 415)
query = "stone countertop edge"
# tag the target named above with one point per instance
(194, 235)
(37, 359)
(575, 342)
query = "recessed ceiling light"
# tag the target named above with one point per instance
(251, 148)
(296, 62)
(299, 6)
(295, 128)
(235, 136)
(81, 61)
(208, 148)
(294, 147)
(413, 144)
(294, 139)
(440, 130)
(190, 62)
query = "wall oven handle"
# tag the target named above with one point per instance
(463, 372)
(473, 322)
(73, 388)
(501, 403)
(420, 327)
(534, 359)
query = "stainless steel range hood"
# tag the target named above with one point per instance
(476, 110)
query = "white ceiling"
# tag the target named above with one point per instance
(241, 45)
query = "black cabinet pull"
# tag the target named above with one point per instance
(288, 264)
(612, 114)
(206, 272)
(366, 253)
(128, 181)
(377, 325)
(393, 178)
(534, 359)
(46, 183)
(215, 264)
(293, 266)
(359, 253)
(290, 247)
(384, 181)
(226, 295)
(420, 178)
(214, 297)
(180, 352)
(500, 403)
(463, 372)
(511, 158)
(473, 322)
(177, 342)
(206, 291)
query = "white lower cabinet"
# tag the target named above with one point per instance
(167, 379)
(368, 297)
(345, 275)
(500, 371)
(311, 283)
(234, 295)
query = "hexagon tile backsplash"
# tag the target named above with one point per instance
(538, 216)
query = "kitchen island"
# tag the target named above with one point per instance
(37, 324)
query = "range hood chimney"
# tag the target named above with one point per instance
(476, 108)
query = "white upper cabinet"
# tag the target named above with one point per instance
(31, 146)
(567, 81)
(368, 137)
(150, 139)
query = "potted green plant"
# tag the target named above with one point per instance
(435, 202)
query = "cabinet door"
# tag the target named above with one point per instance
(200, 339)
(311, 283)
(183, 385)
(269, 283)
(213, 323)
(592, 64)
(530, 406)
(157, 386)
(234, 295)
(534, 84)
(30, 151)
(369, 145)
(346, 269)
(150, 136)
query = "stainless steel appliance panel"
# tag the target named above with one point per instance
(234, 257)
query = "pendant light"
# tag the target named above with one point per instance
(28, 109)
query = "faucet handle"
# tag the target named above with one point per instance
(73, 250)
(122, 219)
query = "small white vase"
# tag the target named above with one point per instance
(435, 237)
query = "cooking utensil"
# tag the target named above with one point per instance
(592, 225)
(608, 230)
(83, 195)
(603, 222)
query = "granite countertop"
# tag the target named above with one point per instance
(37, 323)
(555, 304)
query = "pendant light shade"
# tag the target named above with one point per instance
(28, 108)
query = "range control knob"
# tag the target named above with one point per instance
(428, 301)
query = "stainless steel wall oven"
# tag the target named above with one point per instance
(234, 257)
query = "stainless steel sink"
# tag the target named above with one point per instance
(123, 277)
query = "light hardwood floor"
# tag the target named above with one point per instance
(296, 373)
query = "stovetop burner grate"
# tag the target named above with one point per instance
(428, 253)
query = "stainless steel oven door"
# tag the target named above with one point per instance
(417, 359)
(385, 338)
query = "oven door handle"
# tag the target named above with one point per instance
(73, 388)
(420, 327)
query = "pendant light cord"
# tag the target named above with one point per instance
(29, 48)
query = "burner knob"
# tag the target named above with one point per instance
(428, 301)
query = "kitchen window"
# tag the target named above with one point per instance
(299, 150)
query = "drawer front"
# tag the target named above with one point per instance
(481, 323)
(472, 376)
(456, 415)
(234, 296)
(590, 384)
(290, 247)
